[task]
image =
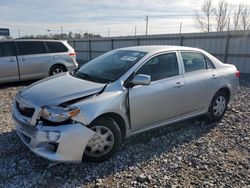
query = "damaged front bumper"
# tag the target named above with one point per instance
(64, 143)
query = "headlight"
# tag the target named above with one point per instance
(59, 114)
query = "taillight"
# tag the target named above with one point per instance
(237, 74)
(72, 54)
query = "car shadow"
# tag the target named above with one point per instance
(135, 150)
(16, 84)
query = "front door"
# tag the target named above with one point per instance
(8, 62)
(161, 100)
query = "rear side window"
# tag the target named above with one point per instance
(30, 47)
(7, 49)
(195, 61)
(55, 47)
(210, 65)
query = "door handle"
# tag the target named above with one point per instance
(11, 60)
(178, 84)
(214, 76)
(22, 59)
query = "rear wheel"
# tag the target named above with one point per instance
(105, 142)
(218, 106)
(56, 70)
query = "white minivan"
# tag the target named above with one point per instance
(25, 59)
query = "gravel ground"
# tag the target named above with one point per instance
(193, 153)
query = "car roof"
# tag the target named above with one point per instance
(5, 40)
(159, 48)
(50, 40)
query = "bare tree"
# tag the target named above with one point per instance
(203, 18)
(238, 11)
(222, 15)
(245, 18)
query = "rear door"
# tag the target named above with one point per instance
(8, 62)
(201, 81)
(34, 61)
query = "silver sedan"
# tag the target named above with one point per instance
(86, 113)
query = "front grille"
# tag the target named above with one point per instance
(25, 111)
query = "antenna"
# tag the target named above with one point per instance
(146, 25)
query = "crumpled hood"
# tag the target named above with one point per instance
(59, 89)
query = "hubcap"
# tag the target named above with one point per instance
(101, 143)
(219, 106)
(57, 71)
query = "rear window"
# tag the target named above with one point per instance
(55, 47)
(7, 49)
(30, 47)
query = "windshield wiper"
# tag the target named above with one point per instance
(86, 76)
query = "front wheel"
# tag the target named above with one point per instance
(218, 106)
(105, 142)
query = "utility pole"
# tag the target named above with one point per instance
(87, 33)
(19, 33)
(146, 25)
(80, 31)
(61, 31)
(48, 30)
(180, 27)
(135, 30)
(228, 25)
(108, 33)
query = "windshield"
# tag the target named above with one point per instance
(110, 66)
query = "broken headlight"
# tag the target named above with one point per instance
(59, 114)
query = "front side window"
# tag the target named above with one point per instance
(7, 49)
(160, 67)
(30, 47)
(110, 66)
(195, 61)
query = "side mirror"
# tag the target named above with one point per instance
(141, 79)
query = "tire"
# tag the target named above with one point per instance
(218, 106)
(100, 149)
(56, 69)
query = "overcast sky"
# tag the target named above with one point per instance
(120, 16)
